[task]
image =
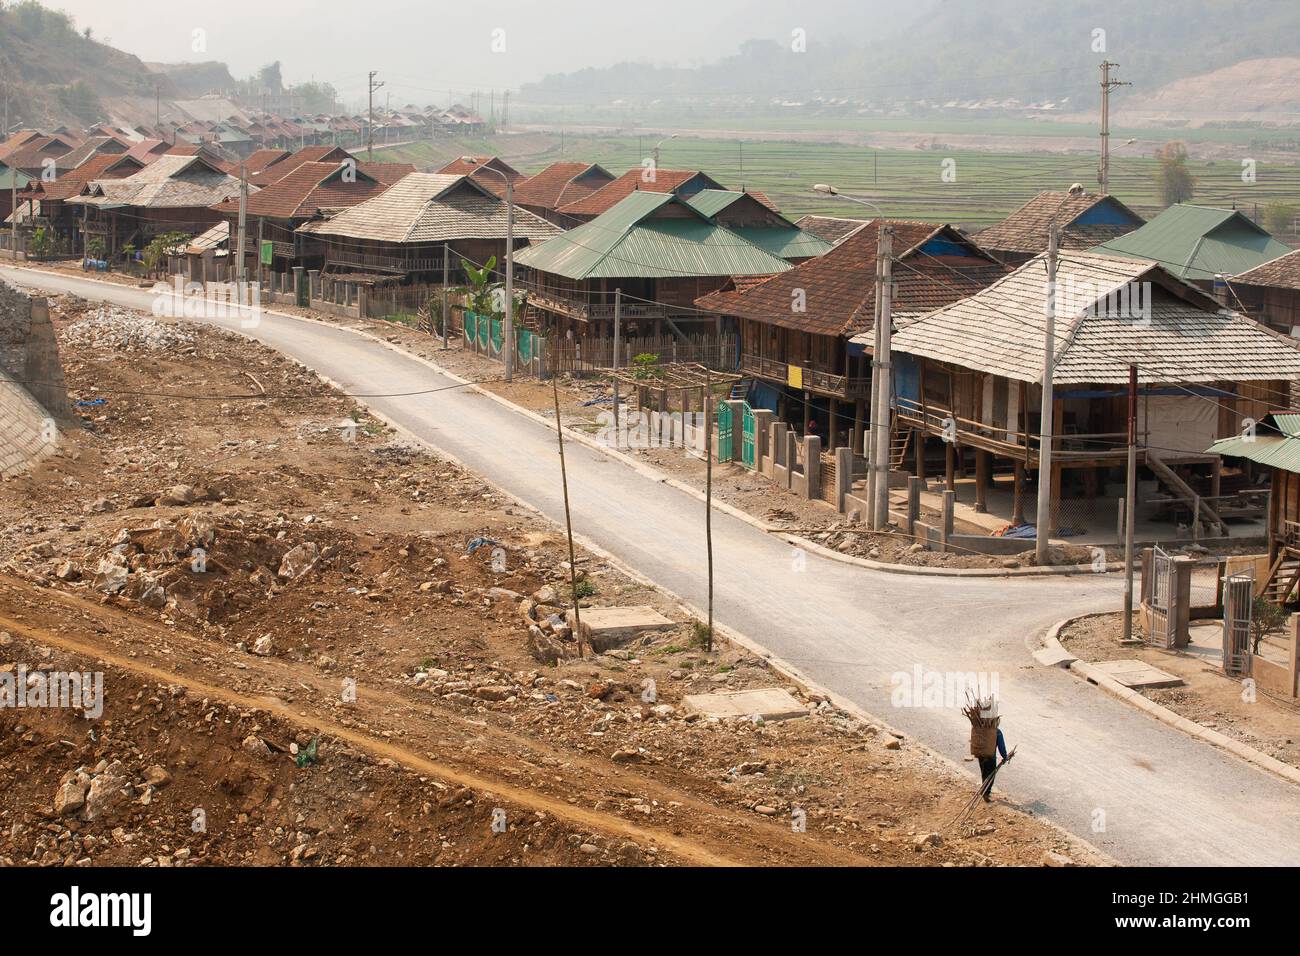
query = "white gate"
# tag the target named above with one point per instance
(1162, 597)
(1238, 608)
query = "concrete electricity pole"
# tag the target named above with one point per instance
(370, 116)
(1130, 502)
(1107, 84)
(241, 275)
(1047, 406)
(881, 379)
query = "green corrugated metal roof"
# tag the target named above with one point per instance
(710, 202)
(1199, 242)
(7, 178)
(786, 243)
(624, 243)
(1276, 442)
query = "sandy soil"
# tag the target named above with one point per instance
(338, 604)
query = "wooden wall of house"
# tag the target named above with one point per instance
(685, 290)
(1254, 400)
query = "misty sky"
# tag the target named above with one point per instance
(423, 48)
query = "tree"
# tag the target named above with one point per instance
(1174, 179)
(1279, 217)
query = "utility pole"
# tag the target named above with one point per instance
(1047, 407)
(618, 321)
(881, 382)
(241, 274)
(370, 116)
(446, 268)
(505, 109)
(509, 343)
(1107, 84)
(708, 489)
(1130, 502)
(261, 227)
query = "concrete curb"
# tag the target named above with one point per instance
(655, 474)
(1050, 652)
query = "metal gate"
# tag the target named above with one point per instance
(1238, 609)
(1162, 595)
(747, 438)
(725, 427)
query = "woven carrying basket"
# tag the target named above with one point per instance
(983, 740)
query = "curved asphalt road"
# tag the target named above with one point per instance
(1084, 758)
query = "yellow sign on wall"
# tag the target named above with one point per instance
(794, 376)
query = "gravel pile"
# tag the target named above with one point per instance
(126, 331)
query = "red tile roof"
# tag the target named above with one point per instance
(308, 154)
(609, 195)
(838, 288)
(147, 150)
(260, 159)
(472, 166)
(99, 166)
(386, 172)
(18, 140)
(561, 183)
(310, 187)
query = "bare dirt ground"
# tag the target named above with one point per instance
(297, 643)
(1207, 695)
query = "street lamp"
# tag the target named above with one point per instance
(508, 345)
(655, 152)
(828, 190)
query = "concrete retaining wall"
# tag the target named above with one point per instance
(33, 396)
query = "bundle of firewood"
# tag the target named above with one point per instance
(983, 728)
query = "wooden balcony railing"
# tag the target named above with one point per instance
(814, 379)
(375, 262)
(584, 311)
(1011, 442)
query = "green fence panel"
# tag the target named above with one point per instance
(496, 336)
(484, 331)
(747, 438)
(471, 326)
(724, 432)
(526, 346)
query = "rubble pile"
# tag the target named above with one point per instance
(123, 330)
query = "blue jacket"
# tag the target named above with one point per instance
(1002, 745)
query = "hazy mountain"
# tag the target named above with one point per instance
(943, 50)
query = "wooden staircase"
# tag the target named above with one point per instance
(740, 389)
(899, 441)
(1280, 584)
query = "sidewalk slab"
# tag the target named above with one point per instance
(770, 703)
(1137, 674)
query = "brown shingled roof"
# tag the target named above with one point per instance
(1025, 230)
(839, 287)
(472, 166)
(1280, 273)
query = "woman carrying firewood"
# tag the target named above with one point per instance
(986, 741)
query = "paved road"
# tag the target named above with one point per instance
(1084, 757)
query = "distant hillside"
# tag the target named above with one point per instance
(1265, 89)
(58, 75)
(196, 79)
(959, 50)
